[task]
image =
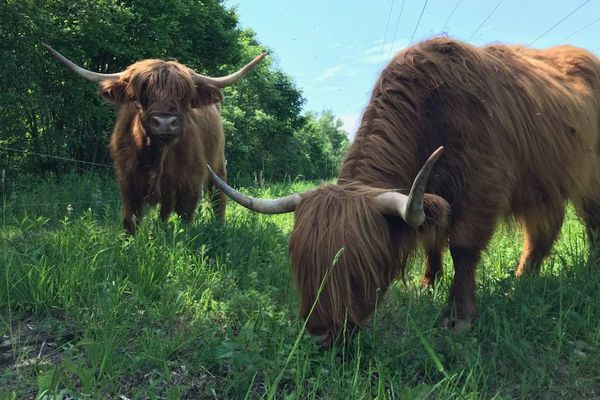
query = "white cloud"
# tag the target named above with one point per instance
(382, 52)
(340, 70)
(327, 89)
(329, 73)
(350, 122)
(336, 46)
(344, 45)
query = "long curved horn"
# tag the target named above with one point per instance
(228, 80)
(87, 74)
(264, 206)
(409, 208)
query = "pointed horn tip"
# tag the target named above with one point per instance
(432, 159)
(438, 152)
(49, 48)
(257, 59)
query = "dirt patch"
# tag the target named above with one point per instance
(26, 347)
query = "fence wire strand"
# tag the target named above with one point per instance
(55, 157)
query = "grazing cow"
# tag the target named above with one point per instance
(520, 132)
(168, 128)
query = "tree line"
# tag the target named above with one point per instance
(47, 110)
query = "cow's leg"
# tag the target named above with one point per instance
(461, 301)
(468, 238)
(540, 231)
(433, 235)
(186, 203)
(432, 266)
(589, 211)
(132, 207)
(217, 198)
(167, 196)
(167, 205)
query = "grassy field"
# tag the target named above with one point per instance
(209, 311)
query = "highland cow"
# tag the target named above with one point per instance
(168, 128)
(520, 132)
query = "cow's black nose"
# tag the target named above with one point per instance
(164, 125)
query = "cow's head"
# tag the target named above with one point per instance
(162, 92)
(343, 251)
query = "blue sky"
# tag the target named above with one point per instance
(335, 49)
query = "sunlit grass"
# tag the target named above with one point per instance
(202, 310)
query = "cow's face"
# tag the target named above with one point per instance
(343, 258)
(163, 93)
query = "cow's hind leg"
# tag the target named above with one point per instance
(540, 230)
(589, 211)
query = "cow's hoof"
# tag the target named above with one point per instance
(426, 283)
(325, 340)
(458, 326)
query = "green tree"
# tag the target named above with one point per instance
(324, 143)
(46, 109)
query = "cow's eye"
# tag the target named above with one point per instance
(144, 101)
(143, 96)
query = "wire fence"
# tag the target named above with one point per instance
(55, 157)
(64, 194)
(67, 203)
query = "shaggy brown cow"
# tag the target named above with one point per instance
(520, 129)
(168, 128)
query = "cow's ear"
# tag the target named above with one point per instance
(435, 229)
(206, 95)
(437, 210)
(114, 91)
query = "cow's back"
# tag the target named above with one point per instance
(519, 125)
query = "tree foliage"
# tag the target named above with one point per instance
(48, 110)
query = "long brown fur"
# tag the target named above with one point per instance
(520, 128)
(369, 259)
(151, 170)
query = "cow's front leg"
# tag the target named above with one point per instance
(167, 203)
(432, 270)
(187, 200)
(132, 208)
(462, 307)
(470, 235)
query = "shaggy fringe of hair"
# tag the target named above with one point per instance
(166, 80)
(375, 247)
(364, 270)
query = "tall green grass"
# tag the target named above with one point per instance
(202, 310)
